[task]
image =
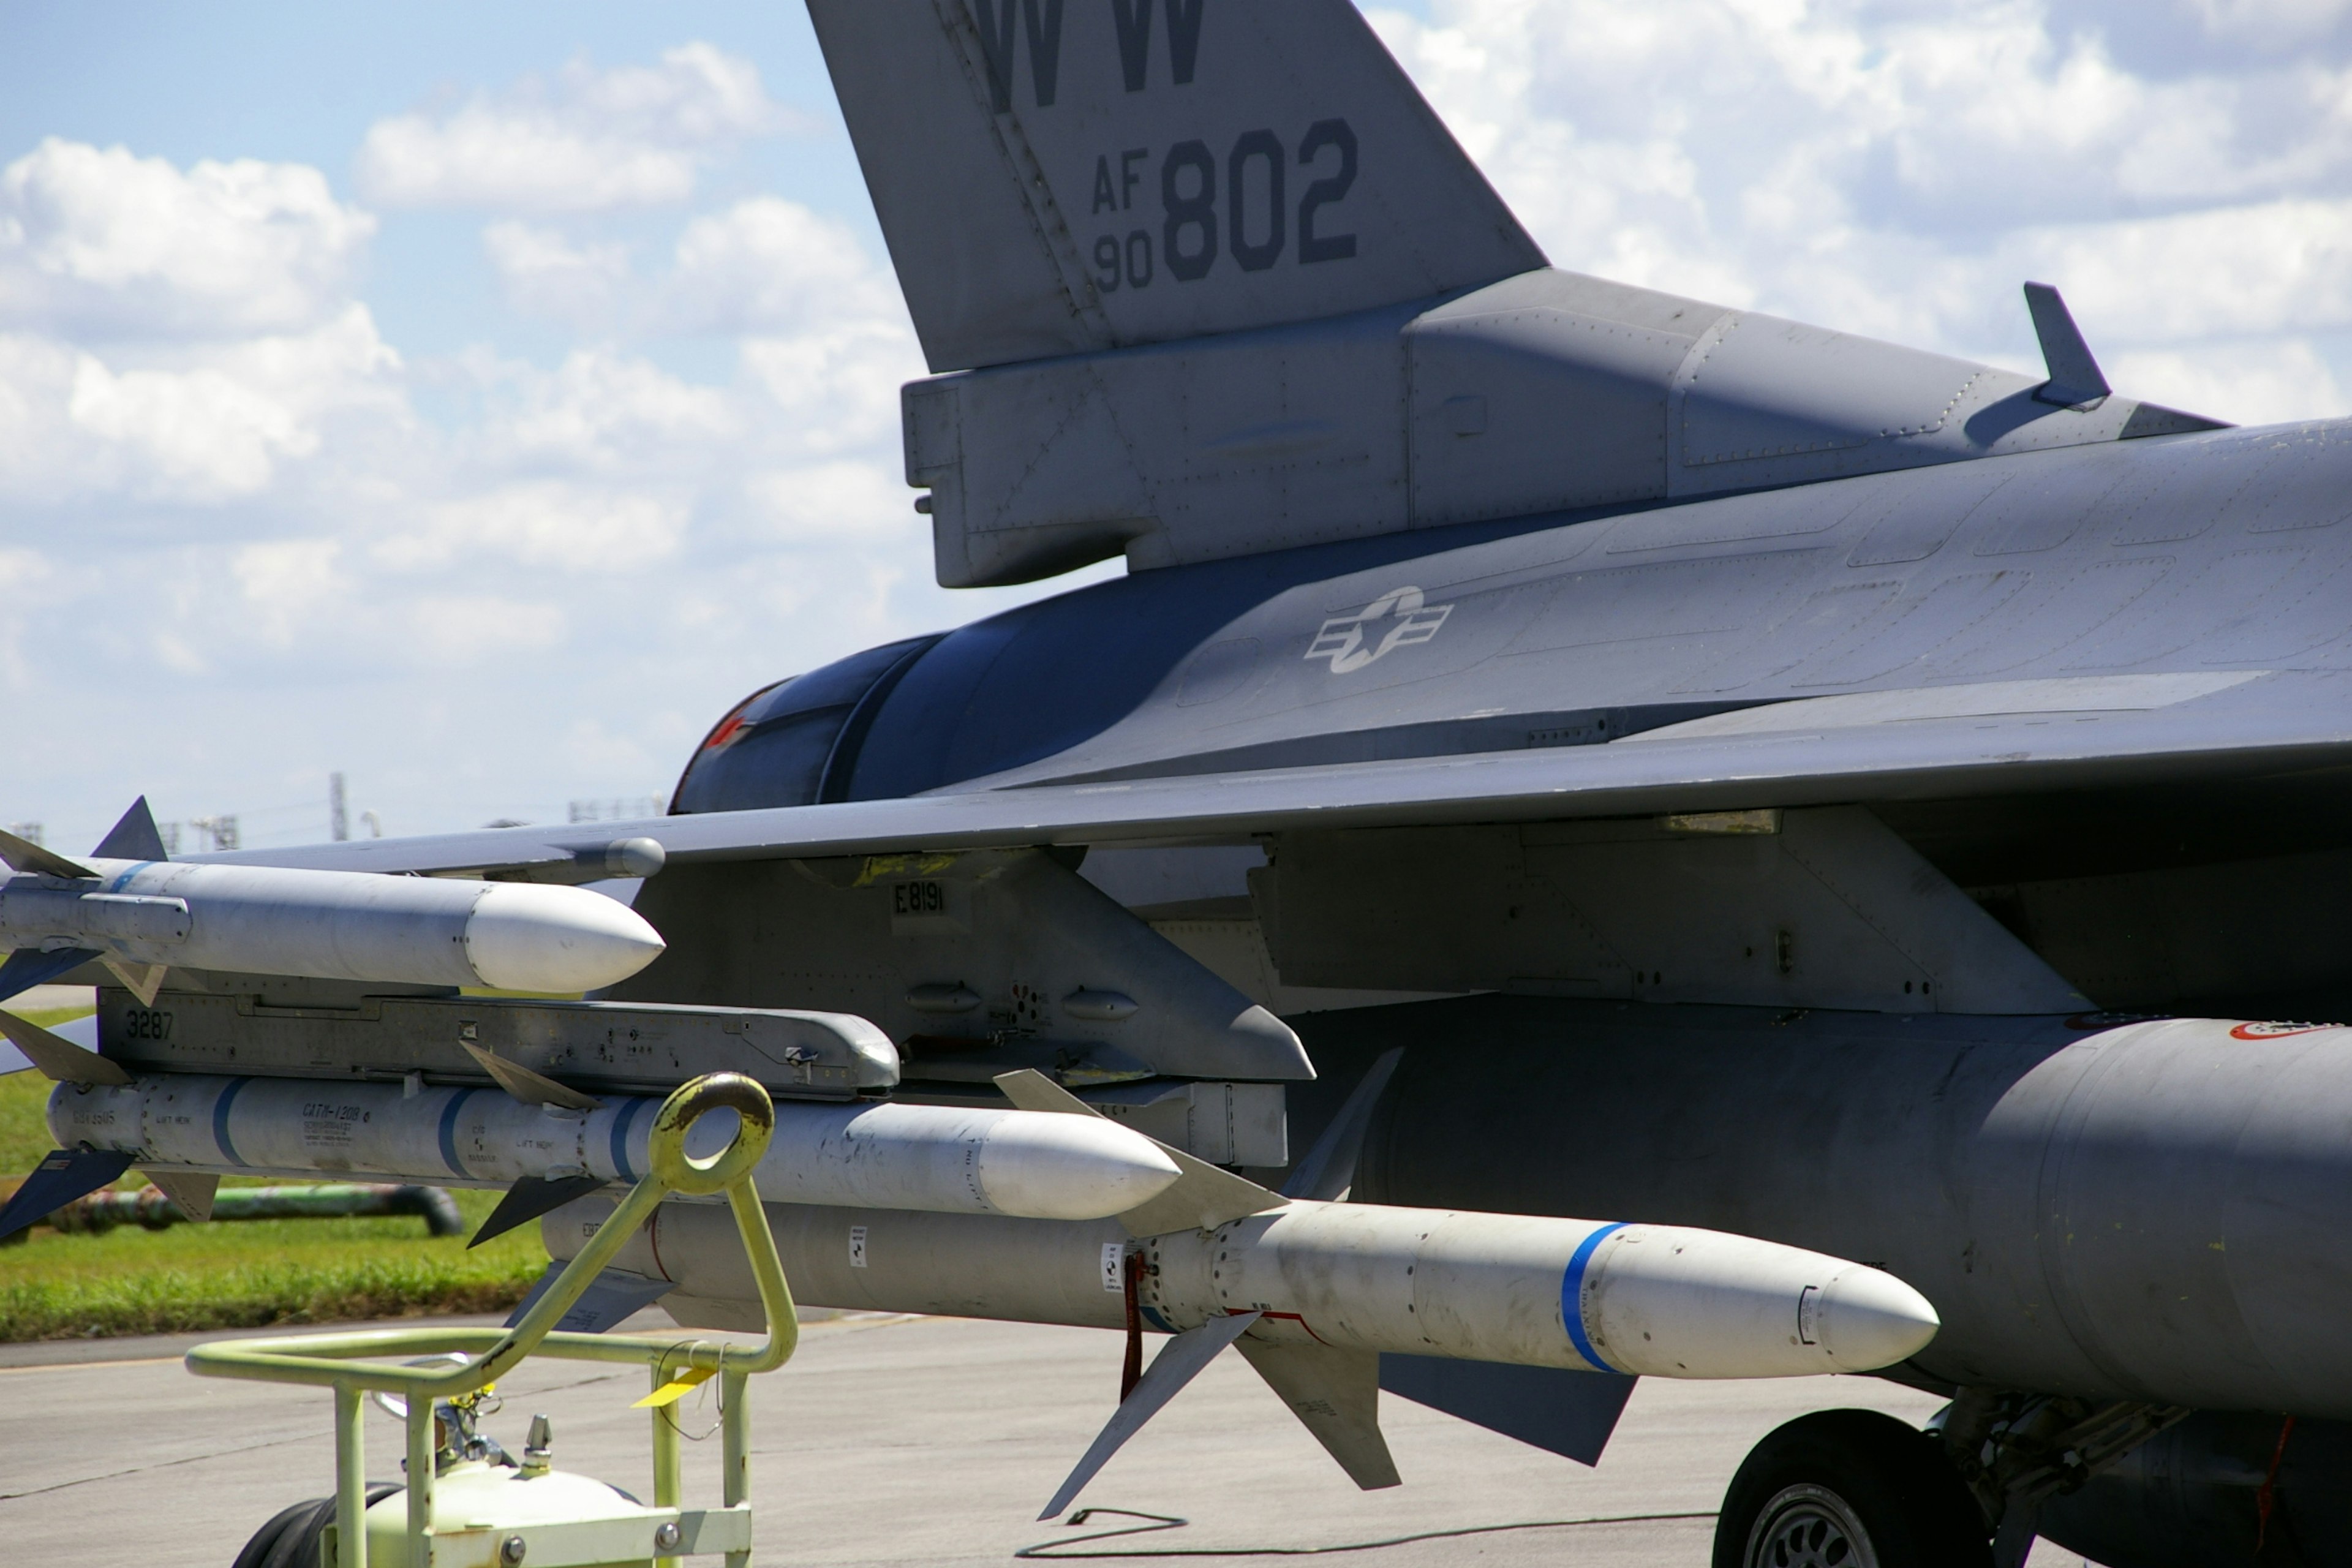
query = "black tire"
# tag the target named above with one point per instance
(290, 1540)
(265, 1539)
(1848, 1489)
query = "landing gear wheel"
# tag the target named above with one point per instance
(1848, 1489)
(290, 1540)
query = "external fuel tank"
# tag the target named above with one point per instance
(2154, 1210)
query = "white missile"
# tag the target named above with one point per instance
(331, 925)
(1659, 1300)
(947, 1159)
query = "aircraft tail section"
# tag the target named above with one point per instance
(1067, 176)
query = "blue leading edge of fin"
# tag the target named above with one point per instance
(57, 1180)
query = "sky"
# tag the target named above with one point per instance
(479, 401)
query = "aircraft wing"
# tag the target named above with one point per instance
(1925, 742)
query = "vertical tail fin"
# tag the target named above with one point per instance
(1064, 176)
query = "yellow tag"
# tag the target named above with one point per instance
(670, 1393)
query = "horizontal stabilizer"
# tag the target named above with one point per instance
(1571, 1413)
(135, 837)
(529, 1198)
(60, 1060)
(58, 1180)
(1178, 1361)
(23, 855)
(1337, 1395)
(611, 1298)
(1203, 1198)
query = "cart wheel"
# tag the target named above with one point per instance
(290, 1540)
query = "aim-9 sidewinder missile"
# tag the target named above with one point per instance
(329, 925)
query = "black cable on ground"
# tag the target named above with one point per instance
(1050, 1549)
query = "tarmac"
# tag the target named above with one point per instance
(907, 1441)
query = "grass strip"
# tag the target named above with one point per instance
(195, 1277)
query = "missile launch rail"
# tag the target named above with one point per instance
(508, 1518)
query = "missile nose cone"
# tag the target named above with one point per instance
(1869, 1319)
(525, 936)
(1039, 1166)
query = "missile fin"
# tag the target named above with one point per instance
(1571, 1413)
(193, 1192)
(29, 966)
(1180, 1361)
(57, 1181)
(135, 837)
(531, 1088)
(141, 980)
(611, 1297)
(529, 1198)
(24, 855)
(1336, 1395)
(60, 1060)
(1203, 1198)
(1330, 1168)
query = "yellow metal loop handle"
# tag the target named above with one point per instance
(674, 1168)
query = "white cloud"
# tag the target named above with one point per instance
(2269, 382)
(546, 523)
(288, 586)
(767, 265)
(199, 424)
(1899, 168)
(545, 274)
(591, 140)
(98, 242)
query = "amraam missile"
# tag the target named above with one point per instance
(944, 1159)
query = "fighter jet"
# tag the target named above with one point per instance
(1772, 851)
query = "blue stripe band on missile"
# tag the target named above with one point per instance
(124, 880)
(621, 1125)
(1151, 1315)
(449, 1133)
(220, 1121)
(1571, 1291)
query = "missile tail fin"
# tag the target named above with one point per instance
(1571, 1413)
(1203, 1198)
(23, 855)
(529, 1198)
(57, 1181)
(1336, 1395)
(611, 1297)
(135, 837)
(58, 1059)
(1329, 1169)
(531, 1088)
(193, 1192)
(29, 966)
(1180, 1361)
(141, 980)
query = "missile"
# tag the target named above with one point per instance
(327, 925)
(1529, 1289)
(944, 1159)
